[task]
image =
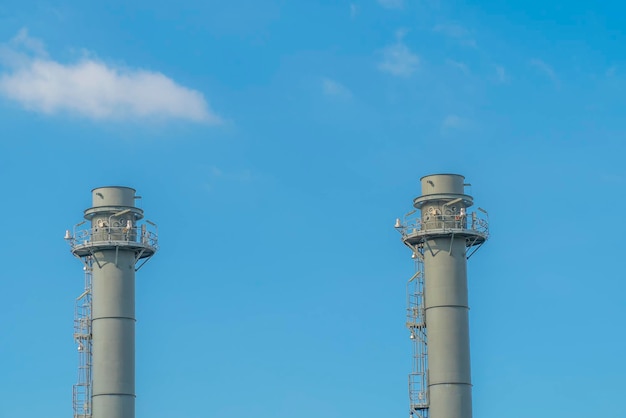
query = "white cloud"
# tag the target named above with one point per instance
(451, 30)
(398, 60)
(501, 74)
(454, 122)
(391, 4)
(468, 42)
(457, 32)
(401, 33)
(215, 176)
(610, 72)
(335, 89)
(459, 65)
(354, 10)
(232, 175)
(607, 177)
(93, 89)
(545, 69)
(30, 44)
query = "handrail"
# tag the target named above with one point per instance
(90, 235)
(476, 223)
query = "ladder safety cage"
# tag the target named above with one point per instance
(82, 390)
(416, 324)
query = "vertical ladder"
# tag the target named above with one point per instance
(81, 392)
(416, 323)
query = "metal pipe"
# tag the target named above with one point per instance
(113, 314)
(446, 310)
(113, 330)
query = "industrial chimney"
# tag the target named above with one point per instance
(112, 245)
(442, 234)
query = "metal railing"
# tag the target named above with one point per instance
(473, 222)
(145, 234)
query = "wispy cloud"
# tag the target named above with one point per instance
(611, 71)
(333, 88)
(545, 69)
(234, 175)
(391, 4)
(451, 30)
(33, 45)
(459, 66)
(93, 89)
(607, 177)
(216, 176)
(398, 59)
(454, 122)
(456, 32)
(501, 74)
(354, 10)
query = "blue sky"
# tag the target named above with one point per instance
(275, 143)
